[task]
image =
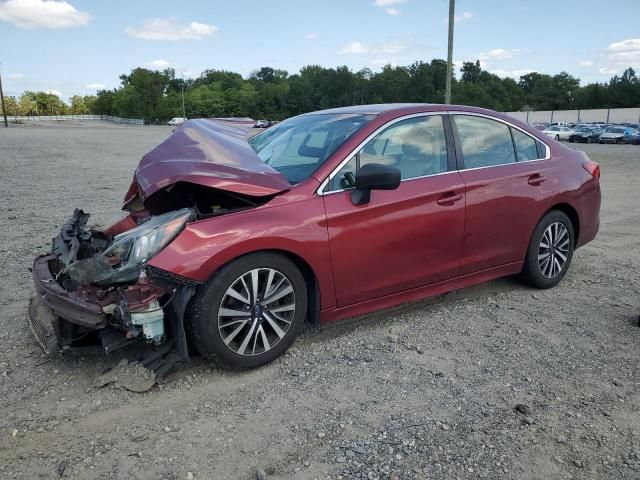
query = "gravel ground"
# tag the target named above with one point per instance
(494, 381)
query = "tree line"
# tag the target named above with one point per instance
(275, 94)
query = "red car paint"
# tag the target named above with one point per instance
(429, 236)
(213, 154)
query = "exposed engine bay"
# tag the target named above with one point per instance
(97, 284)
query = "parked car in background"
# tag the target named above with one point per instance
(231, 243)
(262, 124)
(619, 135)
(585, 134)
(176, 121)
(558, 132)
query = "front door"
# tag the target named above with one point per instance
(403, 238)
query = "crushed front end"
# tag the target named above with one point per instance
(94, 287)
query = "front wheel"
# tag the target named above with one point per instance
(550, 251)
(250, 312)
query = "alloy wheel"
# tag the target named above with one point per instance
(256, 311)
(553, 250)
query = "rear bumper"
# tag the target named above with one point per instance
(75, 307)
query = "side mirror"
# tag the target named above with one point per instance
(374, 176)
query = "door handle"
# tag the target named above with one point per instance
(449, 199)
(536, 179)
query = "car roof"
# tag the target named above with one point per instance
(401, 109)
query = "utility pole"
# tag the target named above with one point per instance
(447, 92)
(184, 115)
(4, 109)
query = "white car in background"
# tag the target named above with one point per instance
(176, 121)
(559, 133)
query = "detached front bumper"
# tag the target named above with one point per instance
(76, 307)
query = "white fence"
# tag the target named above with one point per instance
(110, 118)
(606, 115)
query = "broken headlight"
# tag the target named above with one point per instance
(132, 249)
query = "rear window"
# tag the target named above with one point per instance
(484, 142)
(526, 148)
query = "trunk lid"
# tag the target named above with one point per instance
(212, 153)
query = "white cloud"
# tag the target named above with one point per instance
(95, 86)
(351, 48)
(160, 64)
(15, 76)
(169, 29)
(361, 48)
(516, 74)
(465, 17)
(625, 53)
(499, 54)
(387, 3)
(607, 71)
(42, 14)
(311, 36)
(54, 92)
(630, 45)
(388, 6)
(586, 63)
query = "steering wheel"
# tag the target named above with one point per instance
(350, 180)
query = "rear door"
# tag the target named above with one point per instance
(508, 182)
(402, 238)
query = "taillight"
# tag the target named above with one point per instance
(593, 168)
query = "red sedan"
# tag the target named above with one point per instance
(231, 243)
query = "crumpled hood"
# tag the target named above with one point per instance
(213, 153)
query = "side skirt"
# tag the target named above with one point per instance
(388, 301)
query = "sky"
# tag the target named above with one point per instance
(80, 46)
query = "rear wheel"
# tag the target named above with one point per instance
(558, 137)
(250, 312)
(550, 251)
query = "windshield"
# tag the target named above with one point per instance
(298, 146)
(582, 129)
(615, 130)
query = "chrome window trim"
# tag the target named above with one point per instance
(547, 155)
(334, 172)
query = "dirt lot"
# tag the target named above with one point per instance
(425, 391)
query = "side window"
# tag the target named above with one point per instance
(526, 148)
(484, 142)
(416, 146)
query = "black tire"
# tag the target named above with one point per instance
(532, 273)
(204, 309)
(589, 140)
(558, 138)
